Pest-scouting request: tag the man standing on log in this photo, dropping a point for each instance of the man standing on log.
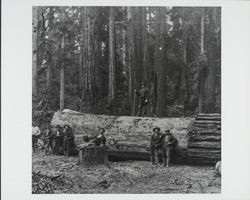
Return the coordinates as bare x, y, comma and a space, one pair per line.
155, 145
68, 140
143, 100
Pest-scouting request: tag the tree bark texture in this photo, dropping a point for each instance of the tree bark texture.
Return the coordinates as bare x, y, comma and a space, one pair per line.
112, 81
50, 39
210, 81
62, 79
183, 74
137, 51
91, 56
35, 48
131, 59
201, 81
160, 62
91, 155
127, 137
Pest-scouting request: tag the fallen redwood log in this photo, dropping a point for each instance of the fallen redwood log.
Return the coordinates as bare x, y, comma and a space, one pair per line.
127, 137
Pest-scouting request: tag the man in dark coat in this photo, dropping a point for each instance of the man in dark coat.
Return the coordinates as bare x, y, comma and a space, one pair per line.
100, 140
156, 145
143, 100
68, 139
48, 140
56, 139
173, 142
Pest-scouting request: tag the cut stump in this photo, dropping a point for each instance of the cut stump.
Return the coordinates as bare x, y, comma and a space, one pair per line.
93, 155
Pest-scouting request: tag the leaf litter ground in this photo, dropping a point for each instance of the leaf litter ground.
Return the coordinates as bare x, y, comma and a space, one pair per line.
122, 177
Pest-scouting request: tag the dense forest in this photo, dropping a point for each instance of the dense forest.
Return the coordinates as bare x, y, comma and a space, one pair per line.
91, 59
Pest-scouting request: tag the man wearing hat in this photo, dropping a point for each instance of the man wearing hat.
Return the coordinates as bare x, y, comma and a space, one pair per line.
35, 136
143, 100
68, 140
48, 139
56, 138
172, 141
155, 145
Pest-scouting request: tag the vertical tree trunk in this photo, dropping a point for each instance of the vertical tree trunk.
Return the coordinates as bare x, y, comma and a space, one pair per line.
80, 78
124, 40
111, 55
50, 38
210, 81
82, 56
138, 40
136, 18
131, 55
91, 57
34, 47
144, 44
183, 74
160, 61
62, 81
201, 82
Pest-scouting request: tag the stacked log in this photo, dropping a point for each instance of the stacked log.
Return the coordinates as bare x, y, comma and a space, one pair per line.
204, 139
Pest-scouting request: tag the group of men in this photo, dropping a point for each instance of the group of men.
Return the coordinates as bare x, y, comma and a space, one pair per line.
57, 138
159, 145
54, 139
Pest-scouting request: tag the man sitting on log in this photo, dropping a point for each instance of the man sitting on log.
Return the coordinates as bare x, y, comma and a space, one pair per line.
155, 145
68, 140
98, 140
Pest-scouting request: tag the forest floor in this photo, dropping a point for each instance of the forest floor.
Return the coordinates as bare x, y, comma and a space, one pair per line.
126, 177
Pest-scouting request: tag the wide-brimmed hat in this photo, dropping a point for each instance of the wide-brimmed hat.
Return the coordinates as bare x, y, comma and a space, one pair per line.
156, 128
168, 131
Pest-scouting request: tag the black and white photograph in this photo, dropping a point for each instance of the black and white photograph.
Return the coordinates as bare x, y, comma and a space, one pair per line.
126, 99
